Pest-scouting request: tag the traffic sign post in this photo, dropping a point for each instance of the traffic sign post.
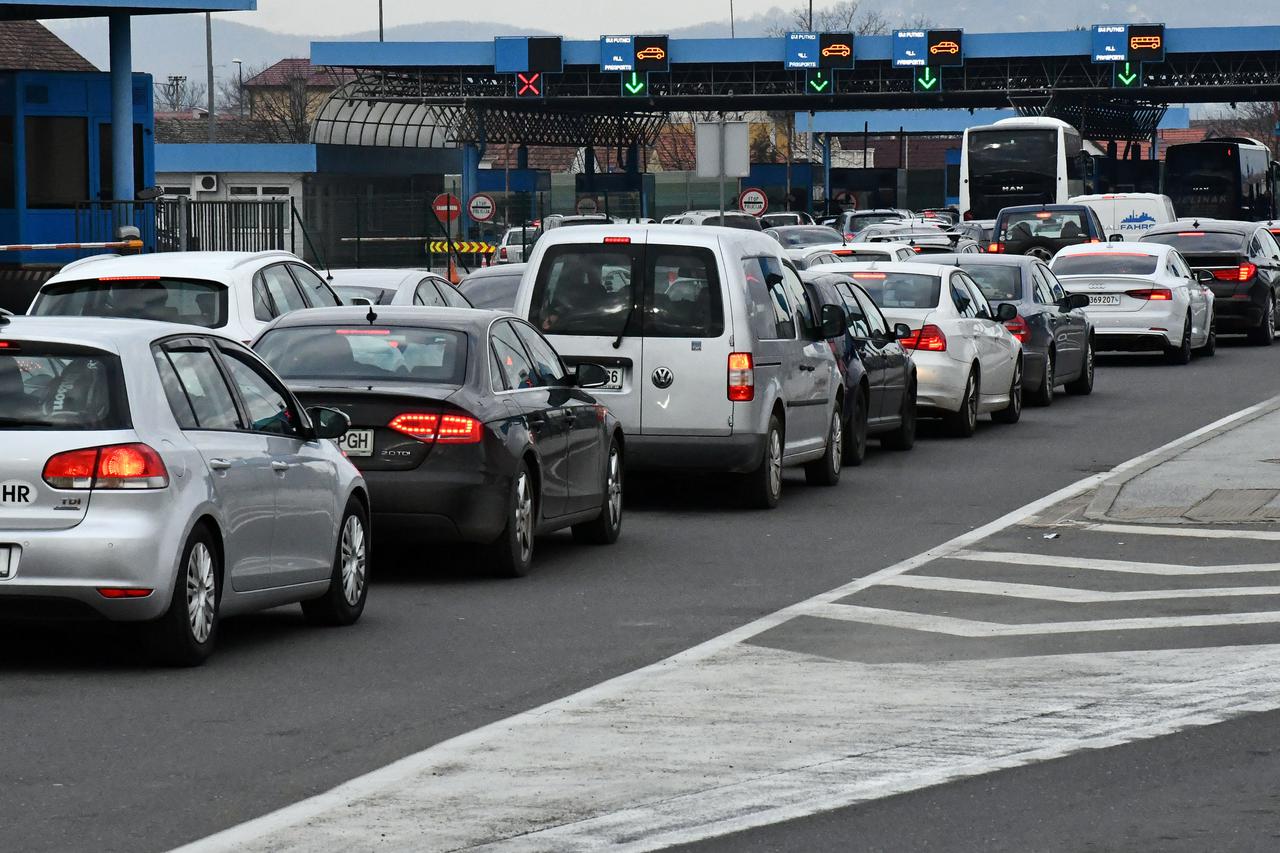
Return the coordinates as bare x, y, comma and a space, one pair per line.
481, 207
753, 201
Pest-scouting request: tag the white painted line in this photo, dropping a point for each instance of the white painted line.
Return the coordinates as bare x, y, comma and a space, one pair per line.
1065, 594
1096, 565
1190, 532
973, 628
251, 834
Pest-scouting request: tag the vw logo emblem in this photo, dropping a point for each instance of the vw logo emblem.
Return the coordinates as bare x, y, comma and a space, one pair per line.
663, 377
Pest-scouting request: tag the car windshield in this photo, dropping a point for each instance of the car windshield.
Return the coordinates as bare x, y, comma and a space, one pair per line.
865, 255
900, 289
811, 236
1199, 242
730, 220
1105, 263
171, 300
366, 354
495, 292
1003, 283
54, 387
1049, 224
520, 236
375, 295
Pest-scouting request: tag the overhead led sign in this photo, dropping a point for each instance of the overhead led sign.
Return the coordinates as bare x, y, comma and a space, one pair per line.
835, 50
802, 50
910, 48
514, 54
652, 53
617, 53
1110, 43
1146, 42
946, 47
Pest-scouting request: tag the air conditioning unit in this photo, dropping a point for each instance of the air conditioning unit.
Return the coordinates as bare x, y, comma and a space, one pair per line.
204, 184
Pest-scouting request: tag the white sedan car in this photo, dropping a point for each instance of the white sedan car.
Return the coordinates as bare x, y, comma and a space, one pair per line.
1142, 296
967, 362
396, 287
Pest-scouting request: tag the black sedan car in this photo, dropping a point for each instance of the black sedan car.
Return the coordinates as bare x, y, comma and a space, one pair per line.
1041, 230
1056, 334
879, 376
1244, 259
465, 424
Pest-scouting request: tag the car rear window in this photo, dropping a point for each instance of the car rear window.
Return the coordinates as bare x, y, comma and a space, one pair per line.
997, 282
1199, 242
1046, 224
366, 354
596, 290
815, 236
862, 255
376, 295
731, 220
1105, 263
493, 292
172, 300
55, 387
901, 289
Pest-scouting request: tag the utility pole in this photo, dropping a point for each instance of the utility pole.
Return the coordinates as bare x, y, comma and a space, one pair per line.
239, 64
208, 49
381, 34
810, 15
732, 34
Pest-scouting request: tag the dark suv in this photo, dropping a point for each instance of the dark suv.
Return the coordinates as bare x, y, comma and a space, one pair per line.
1040, 230
1244, 258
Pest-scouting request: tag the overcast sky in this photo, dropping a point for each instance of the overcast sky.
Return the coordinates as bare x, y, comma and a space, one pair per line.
583, 18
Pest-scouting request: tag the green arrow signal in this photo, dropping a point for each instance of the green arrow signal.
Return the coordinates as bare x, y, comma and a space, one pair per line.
635, 86
818, 82
927, 80
1127, 78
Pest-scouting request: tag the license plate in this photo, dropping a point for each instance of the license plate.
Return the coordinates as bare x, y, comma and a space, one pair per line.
1104, 299
614, 382
357, 442
6, 561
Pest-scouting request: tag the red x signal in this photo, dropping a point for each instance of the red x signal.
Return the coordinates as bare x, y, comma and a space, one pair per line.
529, 85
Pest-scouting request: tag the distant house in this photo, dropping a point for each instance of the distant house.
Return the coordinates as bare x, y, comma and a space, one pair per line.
286, 97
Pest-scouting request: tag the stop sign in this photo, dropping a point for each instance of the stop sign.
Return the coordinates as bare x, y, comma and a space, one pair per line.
753, 201
447, 207
481, 207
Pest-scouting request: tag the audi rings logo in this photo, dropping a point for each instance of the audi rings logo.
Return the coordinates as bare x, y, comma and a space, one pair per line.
663, 377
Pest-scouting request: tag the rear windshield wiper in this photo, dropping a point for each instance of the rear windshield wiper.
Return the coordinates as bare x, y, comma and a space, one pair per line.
617, 342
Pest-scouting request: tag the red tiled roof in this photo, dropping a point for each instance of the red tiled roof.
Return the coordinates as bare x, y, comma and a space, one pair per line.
29, 46
287, 70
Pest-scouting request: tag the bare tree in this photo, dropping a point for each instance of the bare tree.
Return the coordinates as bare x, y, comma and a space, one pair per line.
845, 16
287, 105
178, 95
229, 94
1256, 119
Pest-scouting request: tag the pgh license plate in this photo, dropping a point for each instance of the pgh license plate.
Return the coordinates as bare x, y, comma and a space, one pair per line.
357, 442
1104, 299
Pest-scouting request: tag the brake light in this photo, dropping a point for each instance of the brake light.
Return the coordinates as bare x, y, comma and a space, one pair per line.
502, 253
1156, 294
1044, 215
116, 466
9, 345
995, 249
929, 339
1244, 272
129, 278
918, 249
442, 429
618, 240
848, 236
1018, 328
362, 331
870, 275
742, 377
1190, 233
118, 592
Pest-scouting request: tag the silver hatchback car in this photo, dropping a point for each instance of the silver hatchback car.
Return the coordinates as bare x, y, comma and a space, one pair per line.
161, 474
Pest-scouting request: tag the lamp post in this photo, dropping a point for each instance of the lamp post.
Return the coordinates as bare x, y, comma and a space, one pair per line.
239, 64
731, 28
380, 32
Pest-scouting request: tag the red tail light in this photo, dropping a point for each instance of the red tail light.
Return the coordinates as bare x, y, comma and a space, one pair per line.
848, 236
502, 253
116, 466
122, 592
929, 339
1018, 328
621, 241
442, 429
1156, 294
1244, 272
742, 377
995, 249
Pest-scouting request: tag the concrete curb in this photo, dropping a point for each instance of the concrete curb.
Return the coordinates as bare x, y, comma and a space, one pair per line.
1107, 493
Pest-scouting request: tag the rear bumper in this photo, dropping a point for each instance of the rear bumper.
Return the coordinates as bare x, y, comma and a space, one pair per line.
1238, 314
733, 453
940, 381
457, 506
1033, 368
1138, 330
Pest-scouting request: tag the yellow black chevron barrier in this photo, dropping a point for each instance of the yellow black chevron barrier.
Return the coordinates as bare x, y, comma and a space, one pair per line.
462, 247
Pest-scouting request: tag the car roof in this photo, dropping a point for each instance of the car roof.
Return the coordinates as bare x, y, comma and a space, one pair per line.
891, 266
461, 319
1232, 226
984, 260
1123, 248
663, 234
1052, 208
495, 270
374, 277
110, 333
215, 266
804, 226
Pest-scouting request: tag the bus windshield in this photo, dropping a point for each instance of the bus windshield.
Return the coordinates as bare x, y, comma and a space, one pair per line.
1011, 167
1203, 180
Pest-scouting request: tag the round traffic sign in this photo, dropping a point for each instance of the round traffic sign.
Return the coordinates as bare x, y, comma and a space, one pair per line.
753, 201
587, 204
481, 207
447, 207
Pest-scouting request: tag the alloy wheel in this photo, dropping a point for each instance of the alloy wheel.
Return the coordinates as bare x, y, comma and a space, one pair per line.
524, 517
775, 462
1015, 390
201, 592
613, 486
837, 441
971, 402
354, 560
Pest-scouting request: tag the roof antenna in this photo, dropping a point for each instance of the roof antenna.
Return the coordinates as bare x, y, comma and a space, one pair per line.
1195, 223
371, 316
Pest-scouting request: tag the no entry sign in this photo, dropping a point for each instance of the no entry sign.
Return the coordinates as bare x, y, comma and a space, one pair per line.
447, 207
753, 201
481, 207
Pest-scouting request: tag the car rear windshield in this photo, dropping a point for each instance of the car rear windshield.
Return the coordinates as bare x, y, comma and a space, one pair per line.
495, 292
366, 354
1047, 224
862, 220
863, 255
1105, 263
1199, 242
376, 295
997, 282
55, 387
172, 300
596, 290
731, 220
901, 289
814, 236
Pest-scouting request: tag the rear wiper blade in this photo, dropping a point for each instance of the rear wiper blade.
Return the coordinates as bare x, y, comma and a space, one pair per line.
617, 342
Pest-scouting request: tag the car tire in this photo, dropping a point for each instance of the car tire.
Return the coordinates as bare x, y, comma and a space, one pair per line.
511, 554
1012, 413
1210, 348
855, 432
1264, 333
964, 422
188, 631
764, 484
1043, 396
1082, 385
344, 601
605, 528
826, 471
1040, 251
904, 437
1180, 354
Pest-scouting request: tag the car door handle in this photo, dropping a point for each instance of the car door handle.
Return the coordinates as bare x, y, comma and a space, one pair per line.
808, 367
219, 464
280, 466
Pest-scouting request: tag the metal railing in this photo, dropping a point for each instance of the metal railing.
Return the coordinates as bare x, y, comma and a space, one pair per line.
175, 225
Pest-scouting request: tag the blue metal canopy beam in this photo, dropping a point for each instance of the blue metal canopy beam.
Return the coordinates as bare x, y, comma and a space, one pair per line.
29, 10
931, 121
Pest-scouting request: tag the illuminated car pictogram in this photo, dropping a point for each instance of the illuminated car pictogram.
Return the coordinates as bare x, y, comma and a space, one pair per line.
945, 47
654, 52
1145, 43
837, 50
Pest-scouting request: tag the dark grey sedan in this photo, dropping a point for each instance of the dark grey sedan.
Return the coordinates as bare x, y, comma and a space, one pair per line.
1056, 334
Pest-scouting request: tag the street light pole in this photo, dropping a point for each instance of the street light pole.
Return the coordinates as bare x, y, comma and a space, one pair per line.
208, 47
380, 32
731, 31
239, 64
810, 15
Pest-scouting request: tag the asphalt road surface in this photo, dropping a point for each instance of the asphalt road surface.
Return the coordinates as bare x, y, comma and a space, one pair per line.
100, 752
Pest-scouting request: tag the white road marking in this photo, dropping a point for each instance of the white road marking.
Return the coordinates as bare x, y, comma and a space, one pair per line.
1066, 594
956, 627
1191, 532
552, 778
1092, 564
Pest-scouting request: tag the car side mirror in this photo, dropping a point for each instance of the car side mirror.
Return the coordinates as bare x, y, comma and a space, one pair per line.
1116, 238
1204, 276
901, 331
591, 376
772, 278
834, 322
1006, 311
329, 423
1072, 301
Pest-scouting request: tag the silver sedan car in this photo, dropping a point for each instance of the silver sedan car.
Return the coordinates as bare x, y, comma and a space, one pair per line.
164, 475
396, 287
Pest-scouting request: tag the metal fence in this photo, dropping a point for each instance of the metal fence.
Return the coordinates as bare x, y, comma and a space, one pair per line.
175, 225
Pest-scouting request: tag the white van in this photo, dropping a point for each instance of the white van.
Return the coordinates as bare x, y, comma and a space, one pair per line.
1128, 215
717, 360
